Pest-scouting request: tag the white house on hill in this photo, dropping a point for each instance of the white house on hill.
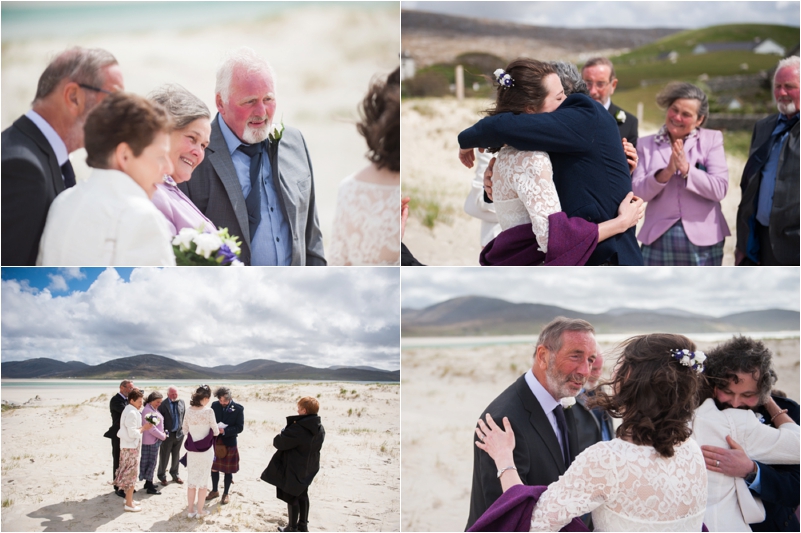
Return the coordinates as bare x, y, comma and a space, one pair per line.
768, 46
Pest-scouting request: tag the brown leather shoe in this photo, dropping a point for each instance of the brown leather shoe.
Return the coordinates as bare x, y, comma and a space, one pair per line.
213, 494
178, 480
163, 481
225, 499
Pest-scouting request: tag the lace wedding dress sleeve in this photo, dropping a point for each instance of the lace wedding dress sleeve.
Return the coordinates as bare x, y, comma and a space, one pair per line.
528, 178
366, 225
628, 488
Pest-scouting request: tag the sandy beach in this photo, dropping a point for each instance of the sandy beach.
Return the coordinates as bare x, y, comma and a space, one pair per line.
324, 57
444, 392
56, 465
432, 173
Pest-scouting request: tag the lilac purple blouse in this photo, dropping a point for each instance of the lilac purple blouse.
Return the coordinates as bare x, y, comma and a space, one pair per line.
694, 200
156, 433
178, 209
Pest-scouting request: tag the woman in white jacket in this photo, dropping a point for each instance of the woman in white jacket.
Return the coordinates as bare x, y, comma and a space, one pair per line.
130, 434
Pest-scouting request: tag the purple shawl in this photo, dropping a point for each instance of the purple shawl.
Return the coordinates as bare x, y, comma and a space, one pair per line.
571, 242
513, 510
199, 446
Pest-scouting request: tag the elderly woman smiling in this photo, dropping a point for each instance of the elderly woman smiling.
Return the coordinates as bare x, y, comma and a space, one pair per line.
683, 176
187, 149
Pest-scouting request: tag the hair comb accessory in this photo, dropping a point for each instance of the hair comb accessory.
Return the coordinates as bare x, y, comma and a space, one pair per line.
694, 360
503, 78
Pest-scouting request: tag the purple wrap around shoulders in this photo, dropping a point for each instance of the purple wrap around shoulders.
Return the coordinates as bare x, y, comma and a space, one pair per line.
571, 242
199, 446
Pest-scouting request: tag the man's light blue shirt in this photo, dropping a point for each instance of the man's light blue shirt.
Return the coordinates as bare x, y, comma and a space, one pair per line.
547, 403
272, 243
56, 142
768, 183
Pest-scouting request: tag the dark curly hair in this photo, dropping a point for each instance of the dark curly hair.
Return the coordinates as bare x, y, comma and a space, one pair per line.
655, 395
740, 354
380, 121
204, 391
529, 90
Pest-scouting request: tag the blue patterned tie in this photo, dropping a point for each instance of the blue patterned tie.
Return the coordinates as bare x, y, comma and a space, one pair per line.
253, 201
562, 423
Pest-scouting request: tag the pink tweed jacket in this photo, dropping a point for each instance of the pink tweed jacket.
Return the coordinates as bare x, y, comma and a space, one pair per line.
696, 200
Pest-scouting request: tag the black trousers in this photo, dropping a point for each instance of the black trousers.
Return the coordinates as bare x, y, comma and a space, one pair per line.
115, 454
170, 450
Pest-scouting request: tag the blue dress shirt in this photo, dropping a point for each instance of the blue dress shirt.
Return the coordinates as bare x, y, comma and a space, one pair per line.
768, 183
272, 243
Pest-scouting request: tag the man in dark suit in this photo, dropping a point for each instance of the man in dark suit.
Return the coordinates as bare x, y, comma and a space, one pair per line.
117, 405
257, 181
767, 218
742, 375
592, 425
545, 433
36, 147
173, 411
590, 170
599, 75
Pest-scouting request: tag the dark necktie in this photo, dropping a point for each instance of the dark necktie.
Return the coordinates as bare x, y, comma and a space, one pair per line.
253, 201
562, 423
68, 173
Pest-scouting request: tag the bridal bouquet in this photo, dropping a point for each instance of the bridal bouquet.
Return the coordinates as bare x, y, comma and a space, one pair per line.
193, 247
152, 418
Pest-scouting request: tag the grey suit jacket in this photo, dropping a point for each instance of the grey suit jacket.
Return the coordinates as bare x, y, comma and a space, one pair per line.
215, 190
31, 180
165, 411
537, 454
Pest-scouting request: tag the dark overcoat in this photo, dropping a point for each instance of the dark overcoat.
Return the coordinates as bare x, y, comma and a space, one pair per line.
297, 460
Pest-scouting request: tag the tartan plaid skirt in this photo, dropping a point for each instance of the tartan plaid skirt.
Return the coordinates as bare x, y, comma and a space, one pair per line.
150, 456
673, 248
129, 466
228, 464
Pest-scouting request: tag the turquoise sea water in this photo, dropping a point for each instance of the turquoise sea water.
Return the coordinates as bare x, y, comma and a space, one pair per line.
37, 20
152, 384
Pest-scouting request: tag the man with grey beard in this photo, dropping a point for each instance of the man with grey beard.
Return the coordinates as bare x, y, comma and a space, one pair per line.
256, 179
767, 219
545, 432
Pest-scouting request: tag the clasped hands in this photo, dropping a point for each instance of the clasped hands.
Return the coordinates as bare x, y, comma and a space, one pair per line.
678, 163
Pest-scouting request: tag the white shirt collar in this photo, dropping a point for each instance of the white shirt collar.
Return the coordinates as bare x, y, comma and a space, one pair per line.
543, 396
50, 134
608, 103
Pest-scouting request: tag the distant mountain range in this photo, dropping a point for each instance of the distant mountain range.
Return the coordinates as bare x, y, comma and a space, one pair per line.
150, 366
477, 315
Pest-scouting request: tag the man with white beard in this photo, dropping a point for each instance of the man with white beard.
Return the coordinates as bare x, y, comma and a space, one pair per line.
767, 219
257, 179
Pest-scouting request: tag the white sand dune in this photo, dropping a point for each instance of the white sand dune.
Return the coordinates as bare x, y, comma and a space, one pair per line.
56, 464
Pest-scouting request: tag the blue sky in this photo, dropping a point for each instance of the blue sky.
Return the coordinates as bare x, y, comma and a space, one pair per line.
207, 316
673, 14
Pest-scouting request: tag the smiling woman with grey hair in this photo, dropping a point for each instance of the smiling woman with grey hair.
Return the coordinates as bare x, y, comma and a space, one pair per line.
188, 142
683, 176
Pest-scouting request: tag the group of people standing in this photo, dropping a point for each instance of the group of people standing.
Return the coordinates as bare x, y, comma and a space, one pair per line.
702, 440
559, 192
150, 432
162, 164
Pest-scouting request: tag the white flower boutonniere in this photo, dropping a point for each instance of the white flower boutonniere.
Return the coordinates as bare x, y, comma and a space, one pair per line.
621, 116
276, 131
568, 402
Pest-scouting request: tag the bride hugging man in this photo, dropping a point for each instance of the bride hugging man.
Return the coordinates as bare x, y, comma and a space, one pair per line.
652, 475
562, 185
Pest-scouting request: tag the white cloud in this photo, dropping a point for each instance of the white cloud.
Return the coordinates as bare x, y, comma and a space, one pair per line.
219, 316
57, 283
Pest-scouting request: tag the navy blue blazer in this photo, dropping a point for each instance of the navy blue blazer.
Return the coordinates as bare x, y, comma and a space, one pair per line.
779, 485
233, 415
590, 169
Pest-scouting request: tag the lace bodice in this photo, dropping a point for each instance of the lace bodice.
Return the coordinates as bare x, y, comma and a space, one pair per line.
523, 191
366, 224
199, 422
628, 488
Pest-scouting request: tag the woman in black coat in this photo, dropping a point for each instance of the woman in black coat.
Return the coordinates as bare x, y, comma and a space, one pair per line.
296, 462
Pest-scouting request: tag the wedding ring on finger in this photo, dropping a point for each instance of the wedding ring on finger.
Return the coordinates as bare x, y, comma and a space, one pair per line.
717, 463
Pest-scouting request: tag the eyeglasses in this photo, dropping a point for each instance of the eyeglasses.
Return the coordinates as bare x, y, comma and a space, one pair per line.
96, 89
599, 84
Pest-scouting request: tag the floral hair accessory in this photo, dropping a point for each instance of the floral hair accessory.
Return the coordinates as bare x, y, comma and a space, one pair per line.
694, 360
503, 78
